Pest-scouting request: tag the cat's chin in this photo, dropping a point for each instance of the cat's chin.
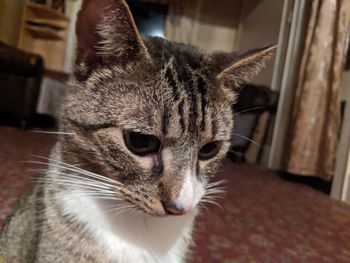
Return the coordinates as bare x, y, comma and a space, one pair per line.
129, 224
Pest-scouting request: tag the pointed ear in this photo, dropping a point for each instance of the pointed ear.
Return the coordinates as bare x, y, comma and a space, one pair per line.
243, 67
106, 31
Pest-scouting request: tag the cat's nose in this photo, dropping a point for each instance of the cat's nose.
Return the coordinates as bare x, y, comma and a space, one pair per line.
174, 208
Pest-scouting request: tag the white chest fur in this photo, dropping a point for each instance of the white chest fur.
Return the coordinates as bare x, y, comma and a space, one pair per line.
132, 237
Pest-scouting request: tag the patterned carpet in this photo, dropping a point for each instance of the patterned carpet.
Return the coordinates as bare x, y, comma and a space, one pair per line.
16, 147
263, 219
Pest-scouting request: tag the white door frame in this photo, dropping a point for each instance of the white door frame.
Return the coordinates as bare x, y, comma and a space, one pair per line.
285, 76
341, 181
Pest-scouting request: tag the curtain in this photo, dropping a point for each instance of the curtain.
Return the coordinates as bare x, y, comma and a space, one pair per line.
316, 112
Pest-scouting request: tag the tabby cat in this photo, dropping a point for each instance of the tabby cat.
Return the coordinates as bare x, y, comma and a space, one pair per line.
143, 128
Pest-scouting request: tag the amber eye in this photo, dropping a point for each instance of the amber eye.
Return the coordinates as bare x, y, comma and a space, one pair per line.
141, 144
209, 150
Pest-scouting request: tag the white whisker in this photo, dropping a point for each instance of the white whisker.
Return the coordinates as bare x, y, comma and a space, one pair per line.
76, 181
86, 172
216, 183
212, 202
52, 132
247, 110
119, 209
79, 185
239, 135
77, 170
80, 177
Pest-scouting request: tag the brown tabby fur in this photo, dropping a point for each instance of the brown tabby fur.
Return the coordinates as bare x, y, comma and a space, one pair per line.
176, 92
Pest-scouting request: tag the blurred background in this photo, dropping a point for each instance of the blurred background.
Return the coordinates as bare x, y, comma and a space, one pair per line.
292, 120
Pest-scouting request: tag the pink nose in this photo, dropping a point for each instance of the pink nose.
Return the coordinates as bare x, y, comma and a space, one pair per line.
174, 209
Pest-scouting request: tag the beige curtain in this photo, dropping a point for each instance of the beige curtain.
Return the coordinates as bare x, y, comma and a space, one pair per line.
316, 112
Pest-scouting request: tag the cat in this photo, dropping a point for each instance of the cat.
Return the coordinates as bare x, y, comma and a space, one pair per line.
143, 128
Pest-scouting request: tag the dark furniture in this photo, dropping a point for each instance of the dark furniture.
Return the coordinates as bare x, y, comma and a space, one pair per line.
253, 101
20, 78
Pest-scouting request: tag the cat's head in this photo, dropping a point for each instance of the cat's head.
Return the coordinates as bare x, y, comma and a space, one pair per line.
154, 115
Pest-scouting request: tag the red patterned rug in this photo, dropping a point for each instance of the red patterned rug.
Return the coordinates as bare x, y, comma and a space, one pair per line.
263, 218
16, 147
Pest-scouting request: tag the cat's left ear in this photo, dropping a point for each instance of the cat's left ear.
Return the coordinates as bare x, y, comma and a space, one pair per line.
237, 69
106, 31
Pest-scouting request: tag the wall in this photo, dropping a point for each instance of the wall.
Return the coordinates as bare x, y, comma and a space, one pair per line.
204, 23
72, 9
217, 25
259, 26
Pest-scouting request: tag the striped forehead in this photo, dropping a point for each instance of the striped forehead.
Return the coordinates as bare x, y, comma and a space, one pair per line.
188, 100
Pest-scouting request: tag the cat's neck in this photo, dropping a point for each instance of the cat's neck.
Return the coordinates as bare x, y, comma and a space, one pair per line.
130, 234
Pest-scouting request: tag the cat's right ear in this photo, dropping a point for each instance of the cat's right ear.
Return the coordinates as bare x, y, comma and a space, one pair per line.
235, 69
106, 32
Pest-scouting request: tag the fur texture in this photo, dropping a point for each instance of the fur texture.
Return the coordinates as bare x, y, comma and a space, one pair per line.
99, 201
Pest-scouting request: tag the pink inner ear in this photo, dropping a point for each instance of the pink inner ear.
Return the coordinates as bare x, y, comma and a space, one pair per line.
90, 16
106, 31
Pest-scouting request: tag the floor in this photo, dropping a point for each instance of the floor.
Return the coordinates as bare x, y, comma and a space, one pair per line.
263, 218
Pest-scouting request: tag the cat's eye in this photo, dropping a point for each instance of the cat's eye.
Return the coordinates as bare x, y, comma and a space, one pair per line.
209, 150
141, 144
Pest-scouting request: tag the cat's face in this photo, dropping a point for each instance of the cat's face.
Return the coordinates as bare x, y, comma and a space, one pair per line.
153, 115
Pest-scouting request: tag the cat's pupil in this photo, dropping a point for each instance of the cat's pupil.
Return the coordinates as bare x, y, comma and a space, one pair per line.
141, 144
209, 150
